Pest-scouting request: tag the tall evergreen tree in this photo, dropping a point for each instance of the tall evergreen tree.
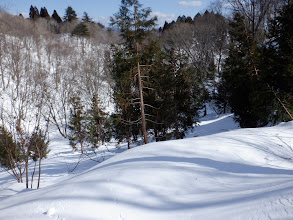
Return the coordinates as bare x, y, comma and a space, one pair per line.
135, 25
277, 68
34, 12
98, 124
44, 13
70, 14
86, 18
81, 30
126, 119
56, 17
77, 124
11, 157
246, 92
176, 95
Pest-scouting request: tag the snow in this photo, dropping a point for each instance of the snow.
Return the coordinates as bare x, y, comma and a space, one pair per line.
219, 172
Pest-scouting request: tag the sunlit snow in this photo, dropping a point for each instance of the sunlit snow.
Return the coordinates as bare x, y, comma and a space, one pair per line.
219, 172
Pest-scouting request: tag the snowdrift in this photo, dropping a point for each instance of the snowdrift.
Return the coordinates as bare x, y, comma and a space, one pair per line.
240, 174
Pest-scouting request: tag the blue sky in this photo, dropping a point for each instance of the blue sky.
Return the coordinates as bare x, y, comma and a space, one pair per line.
101, 10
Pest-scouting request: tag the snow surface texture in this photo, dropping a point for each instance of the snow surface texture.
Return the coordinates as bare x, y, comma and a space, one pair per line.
238, 174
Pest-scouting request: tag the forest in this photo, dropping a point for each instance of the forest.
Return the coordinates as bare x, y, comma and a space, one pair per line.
135, 82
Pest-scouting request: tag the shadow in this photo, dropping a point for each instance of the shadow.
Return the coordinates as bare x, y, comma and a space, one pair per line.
229, 167
2, 197
163, 202
214, 125
261, 145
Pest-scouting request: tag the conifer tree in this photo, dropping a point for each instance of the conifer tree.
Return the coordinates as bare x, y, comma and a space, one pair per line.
44, 13
56, 17
11, 157
86, 18
277, 64
189, 20
135, 25
77, 124
34, 12
176, 95
126, 119
70, 14
257, 78
98, 124
240, 77
81, 30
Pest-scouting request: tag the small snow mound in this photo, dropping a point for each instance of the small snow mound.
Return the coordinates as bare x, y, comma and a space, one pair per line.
50, 212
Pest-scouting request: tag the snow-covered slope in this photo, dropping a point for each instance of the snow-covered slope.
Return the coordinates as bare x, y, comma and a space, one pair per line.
239, 174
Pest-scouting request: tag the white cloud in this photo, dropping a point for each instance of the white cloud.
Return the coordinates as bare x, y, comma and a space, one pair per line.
162, 17
104, 20
191, 3
226, 5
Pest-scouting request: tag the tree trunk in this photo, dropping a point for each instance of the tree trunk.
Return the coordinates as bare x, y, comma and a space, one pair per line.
140, 87
128, 140
81, 146
176, 127
26, 172
143, 121
205, 110
39, 180
33, 174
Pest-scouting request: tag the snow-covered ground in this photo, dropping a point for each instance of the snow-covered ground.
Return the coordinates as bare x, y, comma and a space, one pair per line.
218, 172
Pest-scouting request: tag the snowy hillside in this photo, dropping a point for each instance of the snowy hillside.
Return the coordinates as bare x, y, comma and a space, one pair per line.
237, 174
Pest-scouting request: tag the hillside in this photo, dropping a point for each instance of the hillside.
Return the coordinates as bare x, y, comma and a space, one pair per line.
100, 123
236, 174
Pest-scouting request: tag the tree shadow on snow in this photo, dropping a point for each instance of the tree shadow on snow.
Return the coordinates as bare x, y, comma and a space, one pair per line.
230, 167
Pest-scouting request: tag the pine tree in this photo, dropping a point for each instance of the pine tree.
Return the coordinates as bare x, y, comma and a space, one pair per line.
11, 157
189, 20
166, 26
126, 119
176, 95
77, 124
98, 124
34, 12
277, 68
44, 13
241, 78
86, 18
70, 14
8, 150
135, 25
81, 30
56, 17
